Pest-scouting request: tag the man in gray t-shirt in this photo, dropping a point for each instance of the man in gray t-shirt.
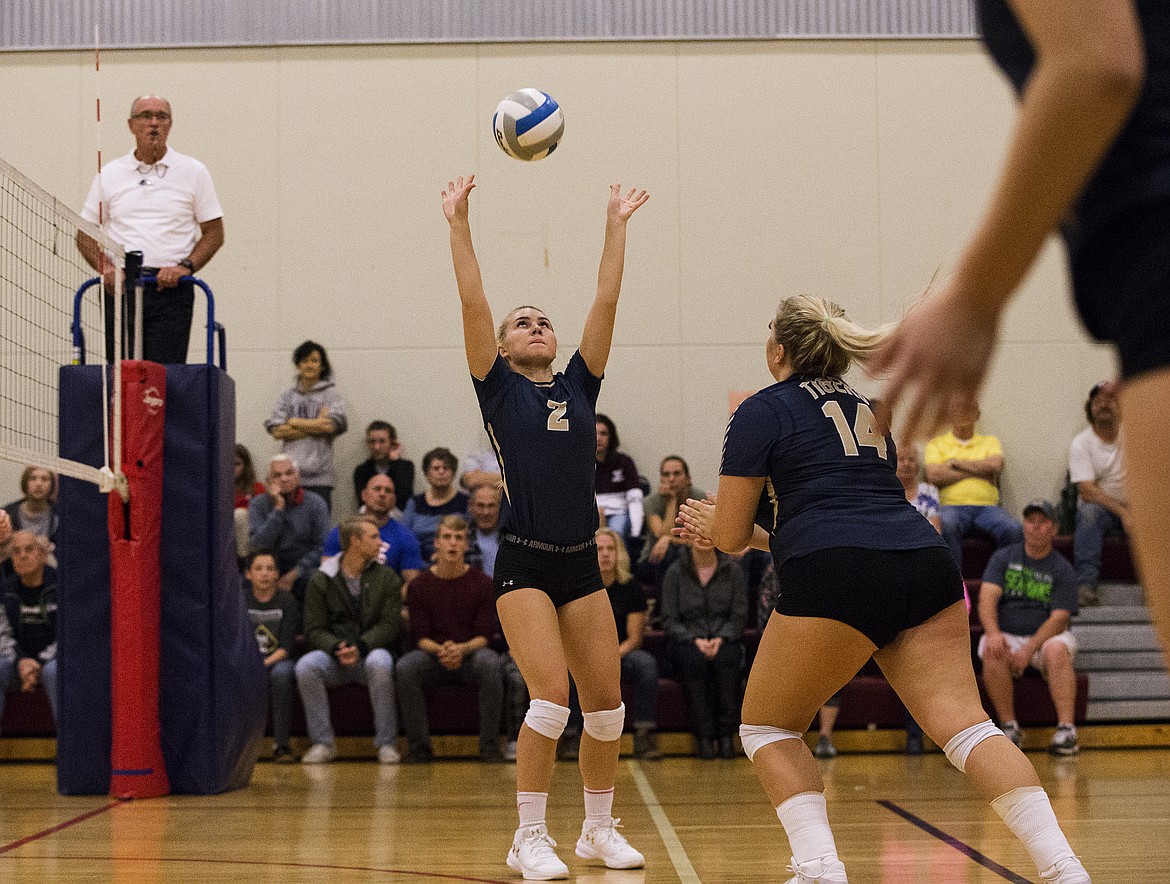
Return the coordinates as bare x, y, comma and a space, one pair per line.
1028, 596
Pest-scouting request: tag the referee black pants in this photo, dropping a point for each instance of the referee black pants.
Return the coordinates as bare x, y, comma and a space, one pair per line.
166, 323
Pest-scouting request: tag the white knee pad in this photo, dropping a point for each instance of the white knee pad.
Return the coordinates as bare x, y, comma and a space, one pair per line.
547, 719
960, 745
756, 736
605, 726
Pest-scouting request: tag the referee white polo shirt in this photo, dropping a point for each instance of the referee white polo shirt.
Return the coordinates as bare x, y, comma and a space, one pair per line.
155, 209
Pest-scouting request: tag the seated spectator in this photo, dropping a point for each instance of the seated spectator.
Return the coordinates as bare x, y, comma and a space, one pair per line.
9, 675
452, 617
308, 416
276, 618
661, 547
966, 467
36, 511
385, 459
1096, 466
638, 666
827, 717
485, 532
30, 603
352, 619
400, 548
619, 491
480, 467
704, 609
290, 521
442, 498
1026, 601
246, 487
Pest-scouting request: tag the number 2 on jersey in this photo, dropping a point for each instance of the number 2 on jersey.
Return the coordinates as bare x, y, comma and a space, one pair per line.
866, 429
557, 419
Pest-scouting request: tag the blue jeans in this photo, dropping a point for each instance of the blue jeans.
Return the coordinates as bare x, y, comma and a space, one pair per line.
281, 678
641, 668
1093, 523
994, 520
318, 671
418, 670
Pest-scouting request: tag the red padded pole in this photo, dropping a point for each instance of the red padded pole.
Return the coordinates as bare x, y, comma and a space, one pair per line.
138, 769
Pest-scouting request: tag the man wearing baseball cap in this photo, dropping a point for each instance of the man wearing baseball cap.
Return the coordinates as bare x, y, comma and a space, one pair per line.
1097, 468
1028, 596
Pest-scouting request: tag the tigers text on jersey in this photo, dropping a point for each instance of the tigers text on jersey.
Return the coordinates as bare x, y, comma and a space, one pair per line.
545, 438
829, 467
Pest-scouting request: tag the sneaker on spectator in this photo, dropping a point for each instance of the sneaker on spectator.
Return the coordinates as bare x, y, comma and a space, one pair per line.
282, 755
491, 754
913, 744
1088, 596
319, 753
818, 871
646, 745
1064, 741
510, 750
1067, 871
419, 755
388, 755
532, 855
1012, 731
825, 748
606, 844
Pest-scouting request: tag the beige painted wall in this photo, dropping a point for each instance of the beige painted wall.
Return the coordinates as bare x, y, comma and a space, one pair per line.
850, 169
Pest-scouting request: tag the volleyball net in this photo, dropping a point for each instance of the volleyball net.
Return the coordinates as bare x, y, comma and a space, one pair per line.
41, 269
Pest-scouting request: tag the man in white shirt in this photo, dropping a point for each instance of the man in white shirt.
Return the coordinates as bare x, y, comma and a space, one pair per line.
163, 204
1096, 466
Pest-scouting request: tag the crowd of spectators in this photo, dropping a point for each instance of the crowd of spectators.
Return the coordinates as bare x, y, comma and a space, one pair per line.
399, 597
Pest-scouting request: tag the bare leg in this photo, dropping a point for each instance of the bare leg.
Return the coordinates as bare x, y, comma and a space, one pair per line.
530, 625
1062, 680
997, 678
1147, 457
826, 718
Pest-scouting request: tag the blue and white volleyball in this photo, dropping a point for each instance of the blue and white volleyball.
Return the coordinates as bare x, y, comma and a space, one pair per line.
528, 124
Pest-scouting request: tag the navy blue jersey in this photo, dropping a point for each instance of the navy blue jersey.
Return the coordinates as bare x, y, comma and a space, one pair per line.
545, 438
829, 469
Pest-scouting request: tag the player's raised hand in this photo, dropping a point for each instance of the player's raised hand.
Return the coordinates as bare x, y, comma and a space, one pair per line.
455, 198
622, 207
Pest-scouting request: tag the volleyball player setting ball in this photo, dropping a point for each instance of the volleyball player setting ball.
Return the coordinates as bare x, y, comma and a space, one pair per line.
860, 573
549, 593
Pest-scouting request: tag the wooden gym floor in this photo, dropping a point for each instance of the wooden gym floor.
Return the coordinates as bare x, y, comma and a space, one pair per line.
896, 819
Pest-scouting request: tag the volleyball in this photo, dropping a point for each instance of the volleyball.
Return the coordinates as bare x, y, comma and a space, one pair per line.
528, 124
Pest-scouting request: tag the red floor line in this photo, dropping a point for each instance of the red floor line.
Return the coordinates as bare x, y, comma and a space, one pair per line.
249, 862
60, 826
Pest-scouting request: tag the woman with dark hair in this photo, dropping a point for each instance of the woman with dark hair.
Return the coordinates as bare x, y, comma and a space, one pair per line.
861, 574
619, 494
308, 416
246, 487
442, 497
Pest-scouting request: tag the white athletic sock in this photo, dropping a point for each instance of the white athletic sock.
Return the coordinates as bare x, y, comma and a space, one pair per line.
531, 807
598, 807
806, 822
1028, 813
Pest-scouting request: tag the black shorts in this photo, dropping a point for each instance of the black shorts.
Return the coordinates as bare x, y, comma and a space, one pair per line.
878, 592
563, 577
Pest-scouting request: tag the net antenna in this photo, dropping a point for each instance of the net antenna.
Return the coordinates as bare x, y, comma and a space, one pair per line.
41, 269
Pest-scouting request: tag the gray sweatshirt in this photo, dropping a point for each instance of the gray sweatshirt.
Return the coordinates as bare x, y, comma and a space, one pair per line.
313, 454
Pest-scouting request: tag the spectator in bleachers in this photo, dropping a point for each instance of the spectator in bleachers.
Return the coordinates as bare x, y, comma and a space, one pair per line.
1097, 467
9, 679
452, 618
1025, 603
400, 549
291, 521
352, 619
660, 508
308, 416
276, 619
966, 466
618, 487
480, 467
485, 531
441, 498
30, 603
827, 716
704, 611
246, 487
36, 511
638, 665
386, 459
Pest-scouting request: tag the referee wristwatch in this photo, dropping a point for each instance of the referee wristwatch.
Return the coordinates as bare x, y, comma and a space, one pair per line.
189, 264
